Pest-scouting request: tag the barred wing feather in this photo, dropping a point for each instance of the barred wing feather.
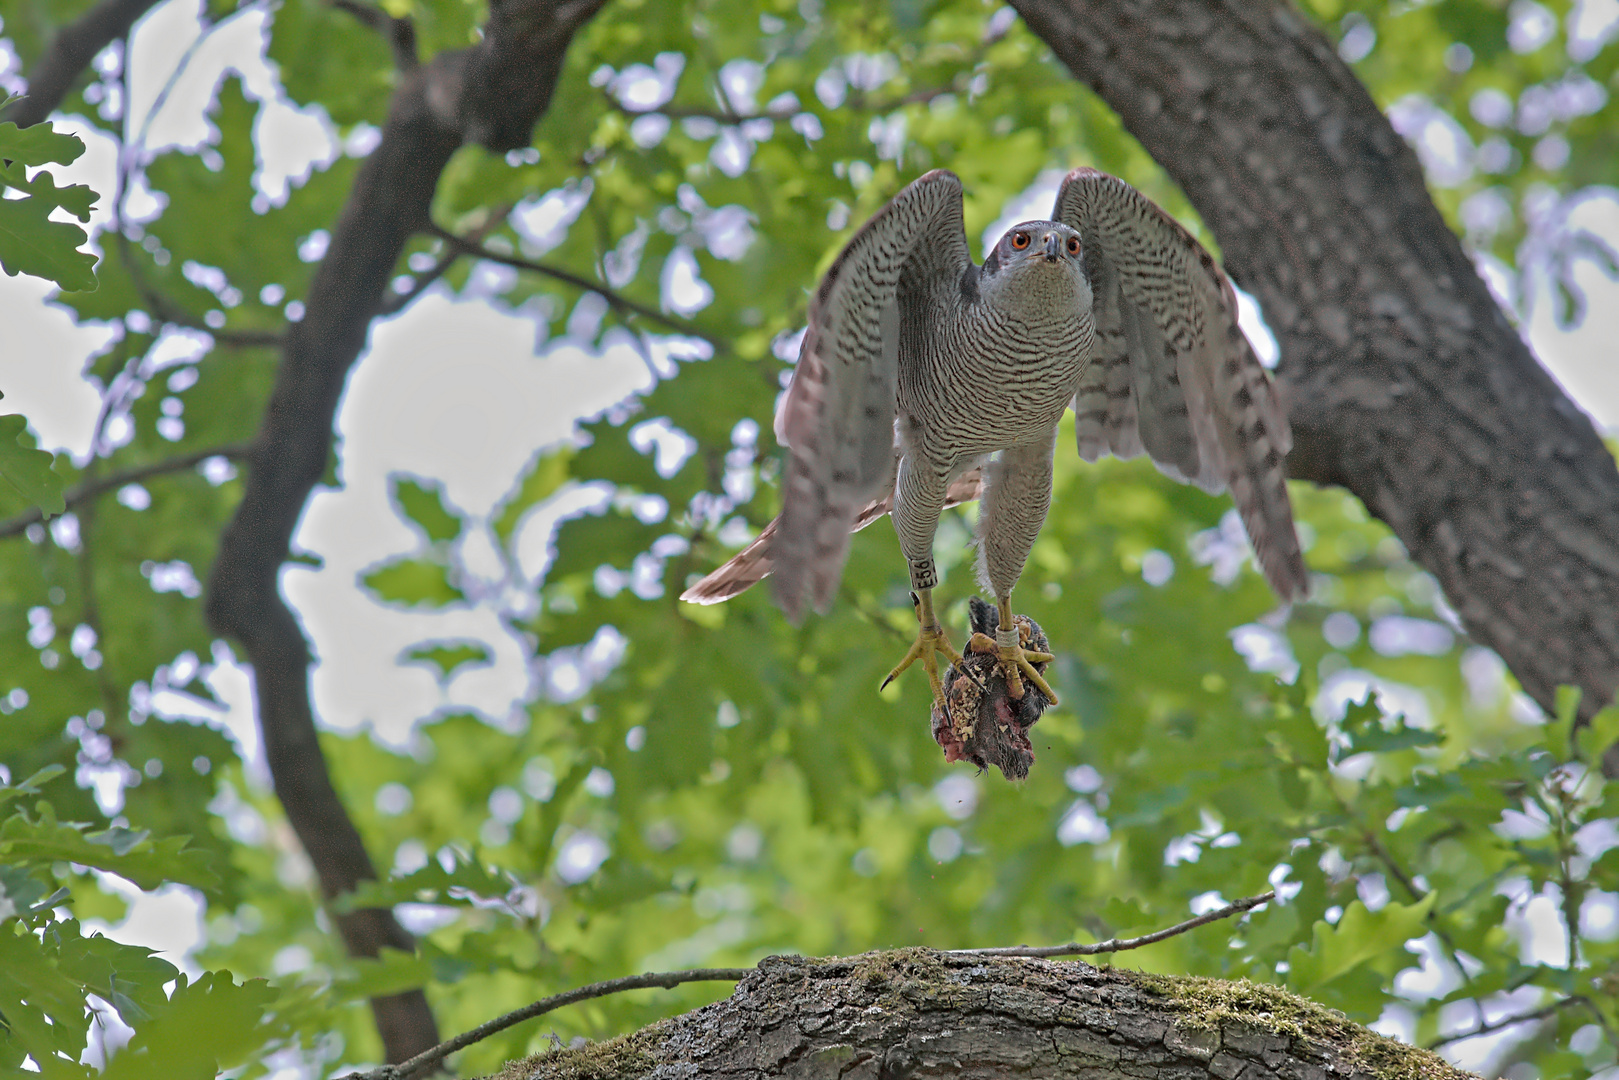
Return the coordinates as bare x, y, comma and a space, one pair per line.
837, 417
1172, 374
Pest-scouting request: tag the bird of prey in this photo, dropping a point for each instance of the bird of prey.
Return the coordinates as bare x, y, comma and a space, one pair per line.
925, 380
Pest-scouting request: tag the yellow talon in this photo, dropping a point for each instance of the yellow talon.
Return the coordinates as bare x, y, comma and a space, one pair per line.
1018, 663
930, 640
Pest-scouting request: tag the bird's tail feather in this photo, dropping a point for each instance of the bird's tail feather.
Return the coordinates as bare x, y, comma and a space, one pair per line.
753, 563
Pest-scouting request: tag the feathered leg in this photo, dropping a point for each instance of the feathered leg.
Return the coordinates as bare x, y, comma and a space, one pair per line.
919, 496
1017, 494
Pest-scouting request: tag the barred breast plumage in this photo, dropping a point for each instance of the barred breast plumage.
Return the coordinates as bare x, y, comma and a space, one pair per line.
920, 369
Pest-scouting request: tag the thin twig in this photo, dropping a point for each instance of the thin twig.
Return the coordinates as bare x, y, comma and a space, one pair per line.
168, 311
427, 1059
130, 155
1123, 944
1409, 883
1537, 1014
129, 159
90, 607
91, 488
396, 301
856, 101
618, 303
692, 112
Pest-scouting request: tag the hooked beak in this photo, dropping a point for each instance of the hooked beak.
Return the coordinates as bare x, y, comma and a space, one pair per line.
1053, 249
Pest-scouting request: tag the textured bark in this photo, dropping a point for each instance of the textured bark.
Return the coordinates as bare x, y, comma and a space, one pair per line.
437, 108
1404, 381
916, 1013
74, 46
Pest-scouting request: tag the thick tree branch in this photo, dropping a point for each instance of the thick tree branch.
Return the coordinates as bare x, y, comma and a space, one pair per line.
915, 1013
76, 44
493, 92
1406, 384
421, 1062
89, 489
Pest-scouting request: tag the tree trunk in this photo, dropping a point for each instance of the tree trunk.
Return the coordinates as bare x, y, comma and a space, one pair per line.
492, 93
1404, 381
916, 1012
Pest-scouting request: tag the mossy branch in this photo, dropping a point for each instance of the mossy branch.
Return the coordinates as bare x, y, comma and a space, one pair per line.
429, 1059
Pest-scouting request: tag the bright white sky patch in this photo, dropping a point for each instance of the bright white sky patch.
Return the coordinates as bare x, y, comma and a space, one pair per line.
452, 391
59, 403
580, 856
1081, 824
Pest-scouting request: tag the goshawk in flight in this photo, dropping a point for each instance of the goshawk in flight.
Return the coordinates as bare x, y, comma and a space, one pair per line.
925, 380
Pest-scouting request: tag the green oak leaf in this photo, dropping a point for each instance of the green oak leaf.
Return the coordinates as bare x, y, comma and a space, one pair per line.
26, 469
30, 242
208, 1025
1360, 935
413, 582
423, 504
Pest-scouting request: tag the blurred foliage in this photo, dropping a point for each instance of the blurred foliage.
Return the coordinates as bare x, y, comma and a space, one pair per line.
709, 785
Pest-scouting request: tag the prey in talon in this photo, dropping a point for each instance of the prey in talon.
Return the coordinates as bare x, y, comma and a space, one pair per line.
981, 721
1008, 647
926, 379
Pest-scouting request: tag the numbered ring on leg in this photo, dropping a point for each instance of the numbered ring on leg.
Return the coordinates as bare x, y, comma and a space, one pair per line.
924, 575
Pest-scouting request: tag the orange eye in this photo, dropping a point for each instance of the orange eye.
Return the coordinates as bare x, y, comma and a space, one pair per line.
1020, 240
1073, 245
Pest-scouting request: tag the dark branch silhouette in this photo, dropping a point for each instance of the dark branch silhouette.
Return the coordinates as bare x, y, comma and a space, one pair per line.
1113, 945
619, 303
1405, 382
88, 490
169, 311
429, 1059
399, 32
1533, 1015
75, 45
491, 93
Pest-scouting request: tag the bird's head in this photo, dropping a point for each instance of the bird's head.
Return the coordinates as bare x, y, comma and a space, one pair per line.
1041, 257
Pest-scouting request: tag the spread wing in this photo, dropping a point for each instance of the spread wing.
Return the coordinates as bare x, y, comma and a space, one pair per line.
753, 563
837, 418
1172, 374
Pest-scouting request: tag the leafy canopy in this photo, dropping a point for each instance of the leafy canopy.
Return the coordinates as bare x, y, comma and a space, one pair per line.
691, 786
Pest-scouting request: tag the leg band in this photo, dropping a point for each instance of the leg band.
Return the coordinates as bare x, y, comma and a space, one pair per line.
923, 574
1006, 639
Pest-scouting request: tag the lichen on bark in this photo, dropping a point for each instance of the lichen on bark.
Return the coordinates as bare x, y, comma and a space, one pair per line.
920, 1012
